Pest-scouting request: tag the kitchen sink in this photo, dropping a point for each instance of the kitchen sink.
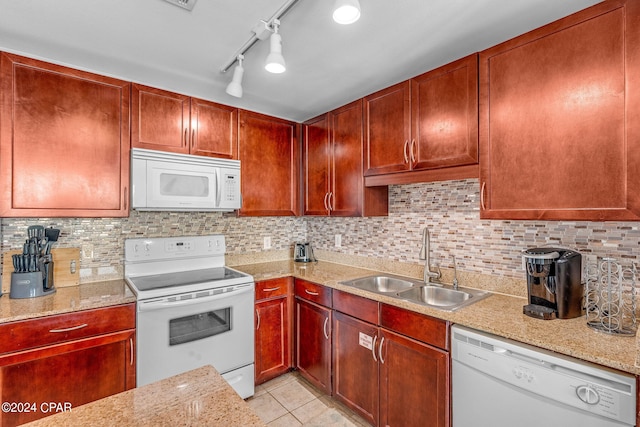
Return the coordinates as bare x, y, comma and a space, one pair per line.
443, 297
382, 284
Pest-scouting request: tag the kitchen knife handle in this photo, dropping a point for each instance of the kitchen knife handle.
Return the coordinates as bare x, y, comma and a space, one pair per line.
73, 328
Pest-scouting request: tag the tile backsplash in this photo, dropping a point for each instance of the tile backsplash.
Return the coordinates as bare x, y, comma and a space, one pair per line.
450, 209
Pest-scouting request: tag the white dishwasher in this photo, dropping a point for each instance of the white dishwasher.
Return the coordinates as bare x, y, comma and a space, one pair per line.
501, 383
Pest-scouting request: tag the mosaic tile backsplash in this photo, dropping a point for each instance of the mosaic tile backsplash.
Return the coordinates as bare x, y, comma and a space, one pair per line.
450, 209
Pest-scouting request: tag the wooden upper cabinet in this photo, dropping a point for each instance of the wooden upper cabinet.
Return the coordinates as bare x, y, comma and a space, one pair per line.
426, 127
333, 166
559, 114
270, 165
388, 129
444, 108
64, 141
168, 121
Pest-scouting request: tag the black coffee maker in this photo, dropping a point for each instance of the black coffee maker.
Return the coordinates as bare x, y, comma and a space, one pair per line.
554, 283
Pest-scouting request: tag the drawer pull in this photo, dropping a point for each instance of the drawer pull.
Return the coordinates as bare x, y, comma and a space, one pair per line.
271, 289
131, 351
373, 348
73, 328
315, 294
380, 351
257, 319
324, 328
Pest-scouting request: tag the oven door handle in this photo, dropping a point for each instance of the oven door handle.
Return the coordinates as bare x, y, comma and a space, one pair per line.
159, 305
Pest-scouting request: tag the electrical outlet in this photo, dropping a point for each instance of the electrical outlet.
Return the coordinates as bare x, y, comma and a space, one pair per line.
267, 243
338, 240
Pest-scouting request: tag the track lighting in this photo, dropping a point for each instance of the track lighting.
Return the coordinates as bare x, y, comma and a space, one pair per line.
346, 11
275, 60
235, 87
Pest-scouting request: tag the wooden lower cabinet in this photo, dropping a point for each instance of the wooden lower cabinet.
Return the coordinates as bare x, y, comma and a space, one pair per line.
39, 381
355, 365
414, 382
313, 343
273, 330
394, 372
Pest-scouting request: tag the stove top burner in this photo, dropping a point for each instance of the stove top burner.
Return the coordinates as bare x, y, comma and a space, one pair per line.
184, 278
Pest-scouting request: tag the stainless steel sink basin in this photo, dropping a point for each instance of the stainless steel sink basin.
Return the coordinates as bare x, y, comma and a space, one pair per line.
445, 298
382, 284
434, 295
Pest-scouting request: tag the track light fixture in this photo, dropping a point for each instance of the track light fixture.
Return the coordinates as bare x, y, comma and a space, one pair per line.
275, 60
235, 87
346, 11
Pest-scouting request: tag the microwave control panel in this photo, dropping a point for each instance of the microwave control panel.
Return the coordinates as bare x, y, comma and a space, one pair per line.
230, 197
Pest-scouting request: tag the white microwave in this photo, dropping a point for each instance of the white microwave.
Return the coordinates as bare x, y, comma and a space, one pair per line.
162, 181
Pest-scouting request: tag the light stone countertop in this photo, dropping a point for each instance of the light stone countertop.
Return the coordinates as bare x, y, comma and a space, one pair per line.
200, 397
499, 314
66, 300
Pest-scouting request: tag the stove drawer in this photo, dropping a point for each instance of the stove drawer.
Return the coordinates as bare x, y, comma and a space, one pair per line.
32, 333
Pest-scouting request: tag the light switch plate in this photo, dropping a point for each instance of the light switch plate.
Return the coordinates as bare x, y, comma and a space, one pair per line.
267, 242
338, 240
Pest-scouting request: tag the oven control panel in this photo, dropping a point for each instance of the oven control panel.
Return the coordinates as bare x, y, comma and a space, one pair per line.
161, 248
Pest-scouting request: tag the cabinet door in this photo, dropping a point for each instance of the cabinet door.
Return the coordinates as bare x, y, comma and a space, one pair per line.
76, 373
64, 141
414, 383
355, 365
559, 108
270, 164
313, 344
272, 351
388, 129
347, 182
444, 106
160, 120
214, 130
316, 160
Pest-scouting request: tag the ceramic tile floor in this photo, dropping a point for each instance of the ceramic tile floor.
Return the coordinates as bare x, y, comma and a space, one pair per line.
290, 401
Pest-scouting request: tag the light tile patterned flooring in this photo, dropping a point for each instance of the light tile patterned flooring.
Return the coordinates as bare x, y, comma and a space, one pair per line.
290, 401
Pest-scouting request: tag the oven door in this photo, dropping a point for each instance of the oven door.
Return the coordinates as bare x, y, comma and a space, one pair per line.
183, 332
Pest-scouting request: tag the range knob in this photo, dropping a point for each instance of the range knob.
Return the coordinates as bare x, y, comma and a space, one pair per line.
588, 395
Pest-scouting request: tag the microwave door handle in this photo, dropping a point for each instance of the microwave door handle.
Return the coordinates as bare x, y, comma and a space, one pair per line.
159, 305
218, 188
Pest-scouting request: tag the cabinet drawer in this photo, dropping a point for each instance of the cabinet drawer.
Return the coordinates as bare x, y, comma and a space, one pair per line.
271, 288
356, 306
414, 325
313, 292
25, 334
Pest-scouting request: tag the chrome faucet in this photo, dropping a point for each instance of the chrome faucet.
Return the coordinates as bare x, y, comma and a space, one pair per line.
425, 255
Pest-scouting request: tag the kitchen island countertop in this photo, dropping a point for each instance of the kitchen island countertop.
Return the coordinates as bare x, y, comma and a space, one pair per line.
499, 314
200, 397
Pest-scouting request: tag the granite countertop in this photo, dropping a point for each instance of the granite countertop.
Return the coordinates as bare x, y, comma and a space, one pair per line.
66, 300
200, 397
499, 314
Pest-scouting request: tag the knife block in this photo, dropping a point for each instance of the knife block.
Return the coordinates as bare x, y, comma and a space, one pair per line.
28, 285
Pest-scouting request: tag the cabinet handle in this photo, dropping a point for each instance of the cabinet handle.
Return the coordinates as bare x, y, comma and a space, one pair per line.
484, 184
413, 154
326, 196
373, 348
257, 317
405, 151
331, 202
73, 328
315, 294
131, 351
324, 328
126, 199
380, 351
186, 137
271, 289
193, 137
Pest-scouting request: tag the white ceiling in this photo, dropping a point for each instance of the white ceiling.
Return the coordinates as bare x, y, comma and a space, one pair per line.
328, 65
